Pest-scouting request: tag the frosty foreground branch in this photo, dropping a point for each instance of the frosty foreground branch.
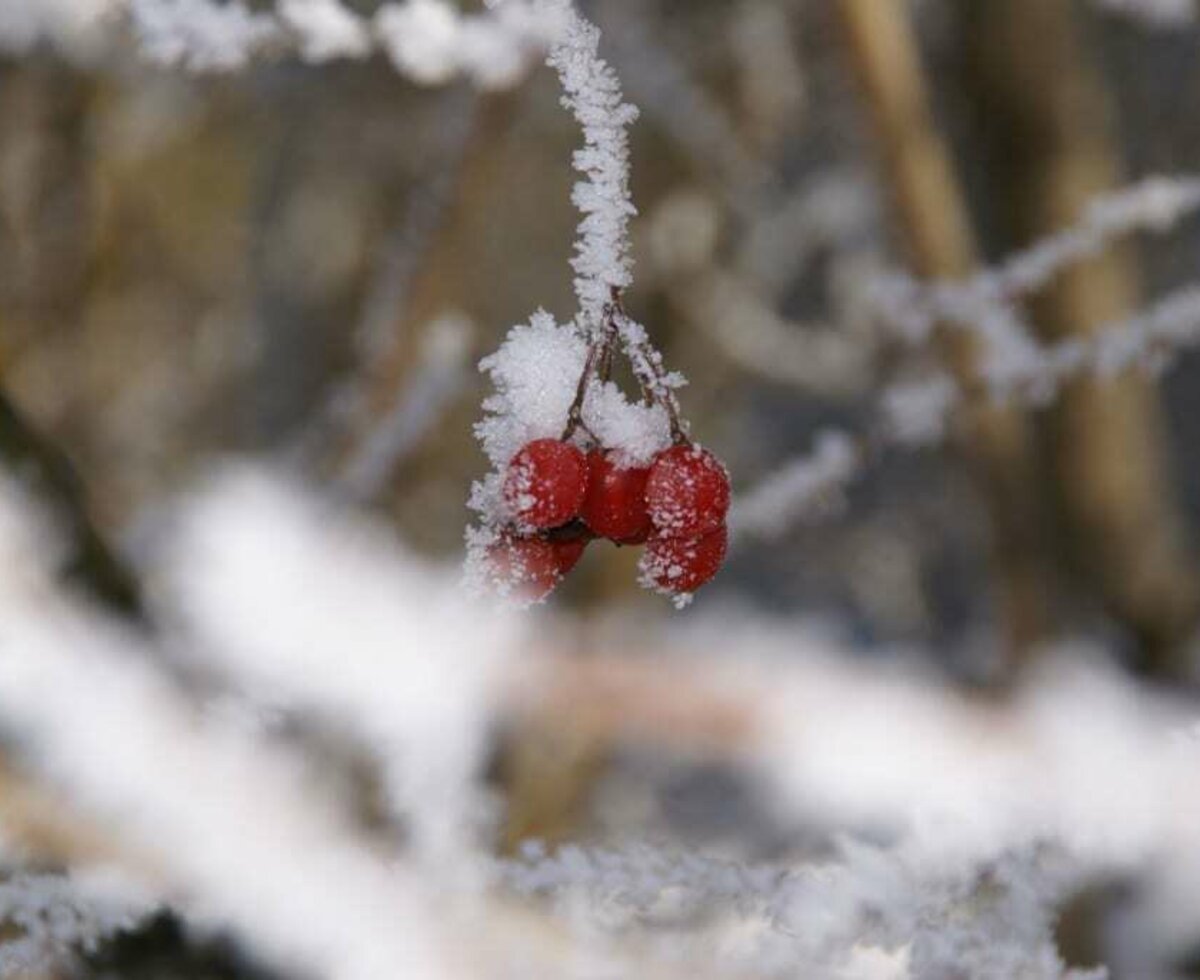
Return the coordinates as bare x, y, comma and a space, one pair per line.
295, 608
428, 41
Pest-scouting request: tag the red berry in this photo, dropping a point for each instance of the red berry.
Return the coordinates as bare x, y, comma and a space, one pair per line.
615, 504
524, 568
568, 551
640, 538
530, 568
687, 492
680, 565
545, 483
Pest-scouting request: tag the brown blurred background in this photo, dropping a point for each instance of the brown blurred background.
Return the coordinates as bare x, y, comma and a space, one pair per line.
271, 262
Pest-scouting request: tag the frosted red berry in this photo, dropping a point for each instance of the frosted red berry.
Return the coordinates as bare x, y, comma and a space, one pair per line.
524, 568
615, 504
687, 492
682, 565
545, 483
567, 552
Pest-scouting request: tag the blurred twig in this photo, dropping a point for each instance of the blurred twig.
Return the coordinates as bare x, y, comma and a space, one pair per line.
934, 221
1045, 104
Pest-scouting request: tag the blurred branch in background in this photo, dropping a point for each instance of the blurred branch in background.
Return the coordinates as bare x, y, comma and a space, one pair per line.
1041, 102
935, 225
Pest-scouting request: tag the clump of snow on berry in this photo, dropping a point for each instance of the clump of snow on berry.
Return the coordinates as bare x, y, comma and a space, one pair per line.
592, 91
633, 433
535, 374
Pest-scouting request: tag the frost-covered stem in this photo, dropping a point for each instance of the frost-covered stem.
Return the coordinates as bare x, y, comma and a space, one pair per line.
644, 360
596, 356
592, 91
647, 366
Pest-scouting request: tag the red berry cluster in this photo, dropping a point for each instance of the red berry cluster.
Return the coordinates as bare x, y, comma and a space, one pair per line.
559, 500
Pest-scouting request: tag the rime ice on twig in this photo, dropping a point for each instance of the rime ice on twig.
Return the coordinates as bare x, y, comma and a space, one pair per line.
917, 912
592, 92
983, 303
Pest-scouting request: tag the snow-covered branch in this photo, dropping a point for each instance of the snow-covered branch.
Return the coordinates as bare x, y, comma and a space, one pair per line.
1013, 366
428, 41
994, 814
985, 303
592, 91
1153, 13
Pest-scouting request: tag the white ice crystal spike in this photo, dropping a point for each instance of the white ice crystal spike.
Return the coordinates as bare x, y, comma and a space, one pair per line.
592, 91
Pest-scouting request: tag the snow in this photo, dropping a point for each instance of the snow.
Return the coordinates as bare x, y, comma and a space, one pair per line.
59, 915
200, 35
327, 30
430, 42
74, 26
983, 818
535, 373
633, 431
